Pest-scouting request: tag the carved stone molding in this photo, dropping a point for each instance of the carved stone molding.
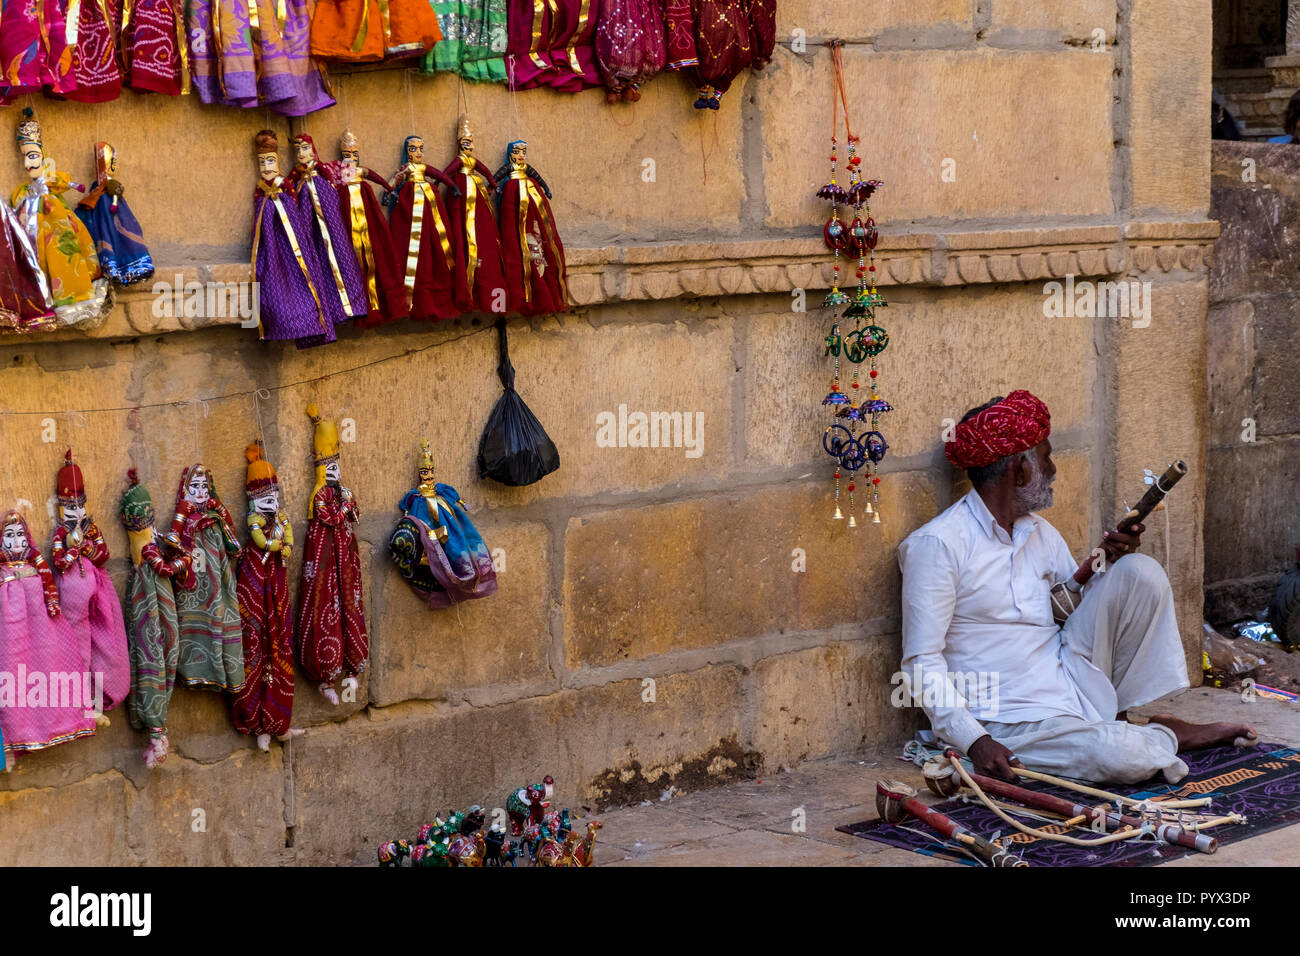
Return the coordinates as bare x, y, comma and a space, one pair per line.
659, 271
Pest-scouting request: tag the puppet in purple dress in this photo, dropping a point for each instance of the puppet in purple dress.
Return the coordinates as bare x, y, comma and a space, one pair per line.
343, 293
285, 265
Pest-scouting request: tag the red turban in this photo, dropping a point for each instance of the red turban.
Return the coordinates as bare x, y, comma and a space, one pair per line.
1017, 423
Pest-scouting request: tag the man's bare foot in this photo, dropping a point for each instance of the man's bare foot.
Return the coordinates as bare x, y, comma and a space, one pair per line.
1196, 736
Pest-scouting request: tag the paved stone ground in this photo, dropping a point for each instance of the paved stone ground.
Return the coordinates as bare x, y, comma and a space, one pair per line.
750, 823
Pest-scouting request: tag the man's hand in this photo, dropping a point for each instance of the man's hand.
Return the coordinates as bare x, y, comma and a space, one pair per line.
1116, 544
993, 760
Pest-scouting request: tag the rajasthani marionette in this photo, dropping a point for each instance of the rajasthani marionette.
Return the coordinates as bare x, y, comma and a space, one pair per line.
158, 571
679, 35
119, 240
332, 638
723, 45
94, 59
368, 230
530, 244
265, 705
86, 594
436, 546
35, 639
368, 30
212, 652
154, 47
419, 227
25, 302
480, 284
342, 294
474, 38
34, 51
63, 246
285, 265
631, 46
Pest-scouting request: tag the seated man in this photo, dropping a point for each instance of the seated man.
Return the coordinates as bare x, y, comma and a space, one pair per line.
976, 583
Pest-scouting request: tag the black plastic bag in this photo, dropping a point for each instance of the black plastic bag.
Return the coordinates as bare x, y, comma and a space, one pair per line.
515, 449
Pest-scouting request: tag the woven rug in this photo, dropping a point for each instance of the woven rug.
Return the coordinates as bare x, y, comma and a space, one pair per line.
1261, 782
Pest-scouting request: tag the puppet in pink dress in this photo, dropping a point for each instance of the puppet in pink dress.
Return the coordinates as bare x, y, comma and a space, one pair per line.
631, 46
47, 695
86, 595
34, 51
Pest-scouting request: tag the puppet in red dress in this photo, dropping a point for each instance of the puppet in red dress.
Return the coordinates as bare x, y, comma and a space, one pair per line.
480, 284
420, 233
332, 638
531, 249
381, 271
723, 45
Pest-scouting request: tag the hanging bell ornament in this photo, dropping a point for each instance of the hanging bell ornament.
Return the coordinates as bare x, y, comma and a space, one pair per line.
868, 511
837, 516
853, 522
876, 519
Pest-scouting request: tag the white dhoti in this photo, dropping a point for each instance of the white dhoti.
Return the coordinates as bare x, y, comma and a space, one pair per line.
1120, 649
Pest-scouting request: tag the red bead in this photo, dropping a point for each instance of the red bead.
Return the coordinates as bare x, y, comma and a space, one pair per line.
855, 384
875, 481
837, 474
851, 487
872, 268
874, 373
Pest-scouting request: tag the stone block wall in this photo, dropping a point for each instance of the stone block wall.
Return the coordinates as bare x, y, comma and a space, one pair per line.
632, 565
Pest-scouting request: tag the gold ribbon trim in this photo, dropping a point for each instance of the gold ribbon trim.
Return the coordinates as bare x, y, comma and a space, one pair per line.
360, 39
272, 195
471, 238
361, 243
329, 244
424, 192
253, 23
539, 7
525, 197
182, 45
583, 14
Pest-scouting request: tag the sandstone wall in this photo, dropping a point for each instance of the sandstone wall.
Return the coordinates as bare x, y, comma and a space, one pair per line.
635, 564
1254, 427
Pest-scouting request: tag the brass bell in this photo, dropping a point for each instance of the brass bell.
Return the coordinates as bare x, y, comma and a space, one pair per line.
868, 509
876, 519
853, 522
837, 516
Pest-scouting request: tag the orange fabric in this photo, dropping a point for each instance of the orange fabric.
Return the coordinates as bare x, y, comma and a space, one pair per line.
414, 25
335, 26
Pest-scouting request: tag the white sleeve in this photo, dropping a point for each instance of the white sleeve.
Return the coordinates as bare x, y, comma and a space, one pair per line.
929, 596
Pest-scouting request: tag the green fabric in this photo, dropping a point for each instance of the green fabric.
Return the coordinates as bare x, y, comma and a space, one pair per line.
151, 620
136, 509
474, 33
212, 638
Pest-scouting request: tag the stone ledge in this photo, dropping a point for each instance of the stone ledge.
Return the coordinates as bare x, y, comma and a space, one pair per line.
656, 271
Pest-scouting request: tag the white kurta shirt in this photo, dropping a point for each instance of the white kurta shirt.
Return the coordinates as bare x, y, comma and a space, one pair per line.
976, 603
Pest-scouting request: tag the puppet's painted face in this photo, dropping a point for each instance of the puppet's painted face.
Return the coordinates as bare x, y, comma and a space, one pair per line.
112, 164
306, 155
268, 167
198, 490
268, 503
33, 161
519, 155
15, 540
72, 515
466, 144
352, 155
415, 150
426, 476
332, 471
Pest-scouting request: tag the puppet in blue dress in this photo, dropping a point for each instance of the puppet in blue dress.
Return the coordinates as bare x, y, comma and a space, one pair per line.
119, 241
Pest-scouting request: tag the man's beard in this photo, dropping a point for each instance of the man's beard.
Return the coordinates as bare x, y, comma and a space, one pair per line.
1037, 494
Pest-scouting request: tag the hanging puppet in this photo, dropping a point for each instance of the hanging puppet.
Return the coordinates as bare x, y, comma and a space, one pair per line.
474, 37
63, 246
34, 50
341, 291
631, 46
86, 595
723, 45
370, 30
531, 250
95, 68
381, 272
118, 238
155, 47
158, 571
212, 653
679, 35
25, 302
36, 638
480, 285
552, 44
285, 264
264, 707
419, 226
436, 546
332, 638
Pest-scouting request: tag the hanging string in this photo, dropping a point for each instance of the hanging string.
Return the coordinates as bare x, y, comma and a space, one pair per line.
410, 100
343, 99
203, 403
259, 396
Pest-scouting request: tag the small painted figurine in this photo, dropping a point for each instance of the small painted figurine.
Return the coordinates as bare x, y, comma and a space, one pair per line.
285, 265
381, 271
212, 647
531, 250
158, 570
435, 545
119, 240
392, 854
466, 850
340, 289
25, 302
480, 284
264, 707
63, 246
419, 228
527, 805
332, 638
86, 594
36, 639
